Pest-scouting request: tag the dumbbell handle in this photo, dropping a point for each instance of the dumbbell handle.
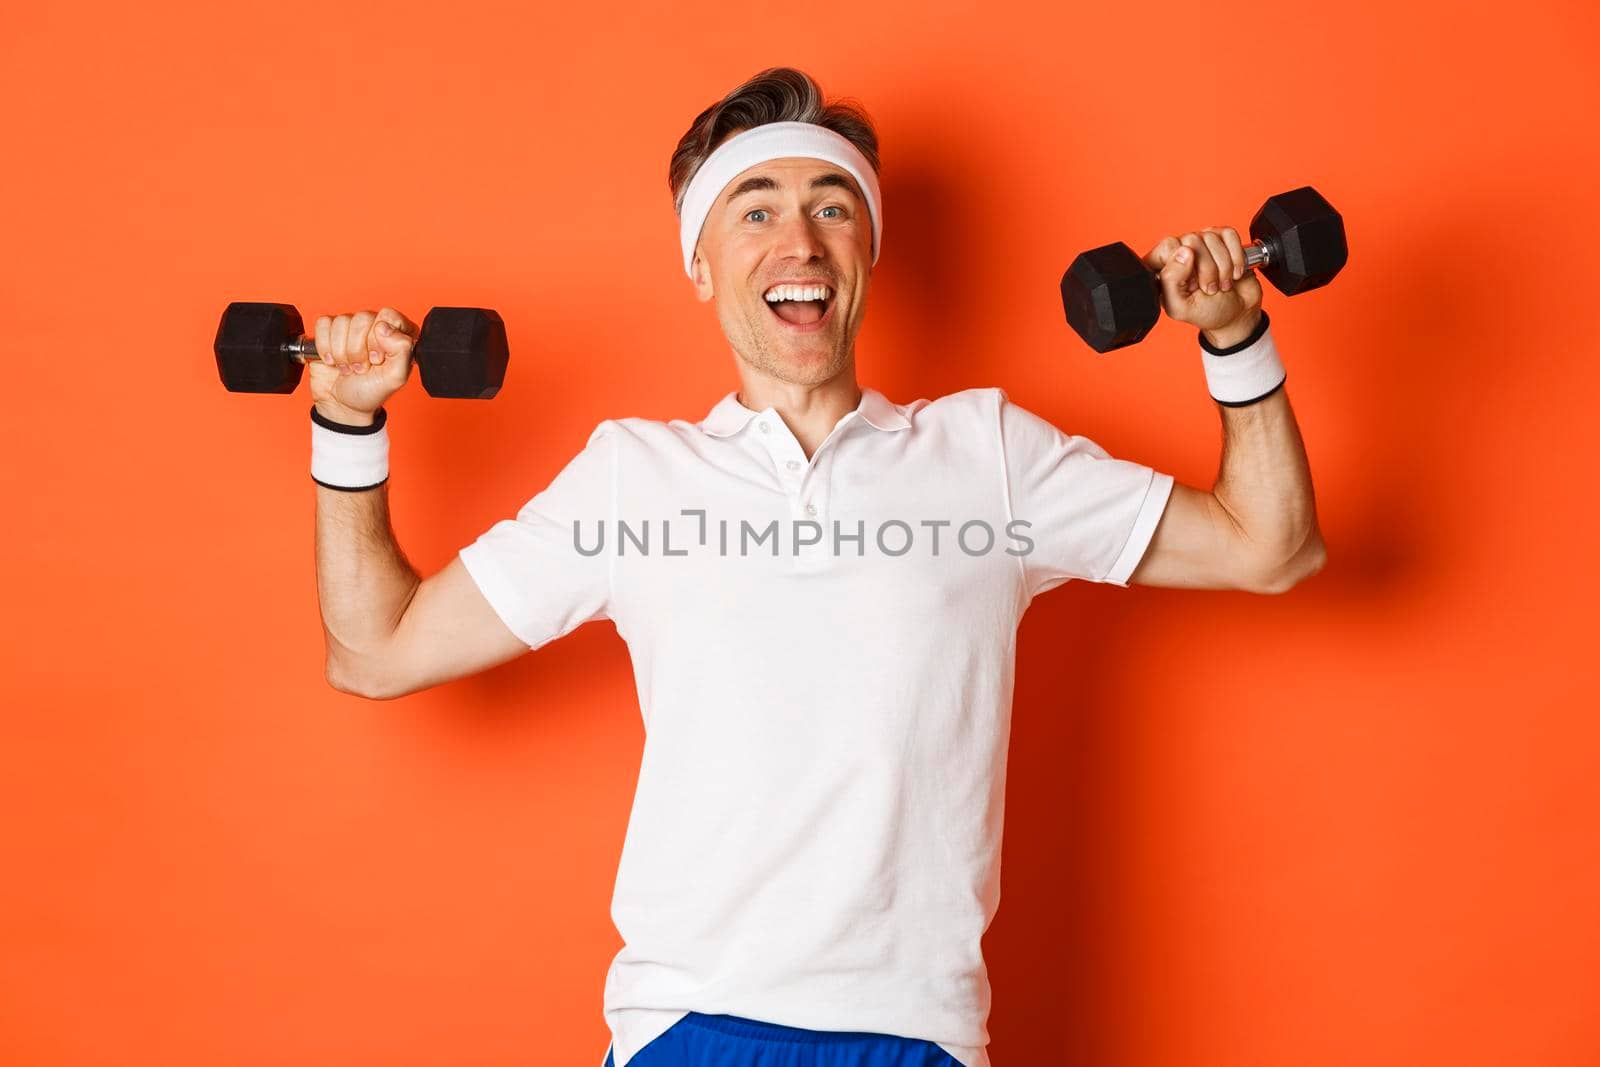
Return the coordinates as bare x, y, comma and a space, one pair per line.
302, 348
1257, 254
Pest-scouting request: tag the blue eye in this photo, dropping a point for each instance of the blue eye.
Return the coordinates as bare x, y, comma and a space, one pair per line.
763, 211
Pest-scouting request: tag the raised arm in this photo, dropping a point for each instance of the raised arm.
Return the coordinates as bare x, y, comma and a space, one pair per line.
390, 632
1256, 529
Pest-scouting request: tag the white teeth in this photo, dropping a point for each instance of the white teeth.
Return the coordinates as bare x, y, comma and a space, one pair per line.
797, 292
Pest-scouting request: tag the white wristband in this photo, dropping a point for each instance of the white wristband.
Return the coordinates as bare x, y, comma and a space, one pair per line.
1246, 372
349, 457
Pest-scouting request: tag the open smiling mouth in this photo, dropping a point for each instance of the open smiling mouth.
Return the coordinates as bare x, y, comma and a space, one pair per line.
801, 316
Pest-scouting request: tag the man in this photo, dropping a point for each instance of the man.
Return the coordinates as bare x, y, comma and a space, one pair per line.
819, 589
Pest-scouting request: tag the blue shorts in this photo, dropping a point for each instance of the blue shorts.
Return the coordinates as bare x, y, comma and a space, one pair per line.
699, 1040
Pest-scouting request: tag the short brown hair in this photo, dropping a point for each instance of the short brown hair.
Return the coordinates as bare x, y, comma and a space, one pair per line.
777, 94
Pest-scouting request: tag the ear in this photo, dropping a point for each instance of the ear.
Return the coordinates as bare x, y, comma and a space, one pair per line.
702, 277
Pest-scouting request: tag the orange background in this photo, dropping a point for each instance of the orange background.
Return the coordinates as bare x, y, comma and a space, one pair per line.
1352, 824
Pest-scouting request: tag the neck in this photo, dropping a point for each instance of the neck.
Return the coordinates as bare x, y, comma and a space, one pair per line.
810, 411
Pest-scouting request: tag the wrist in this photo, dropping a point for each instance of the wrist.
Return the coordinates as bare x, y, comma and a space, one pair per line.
1235, 331
348, 456
336, 412
1246, 371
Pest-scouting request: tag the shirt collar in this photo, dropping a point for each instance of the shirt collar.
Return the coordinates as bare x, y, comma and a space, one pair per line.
729, 416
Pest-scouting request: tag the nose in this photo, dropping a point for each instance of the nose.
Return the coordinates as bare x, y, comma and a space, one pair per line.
797, 238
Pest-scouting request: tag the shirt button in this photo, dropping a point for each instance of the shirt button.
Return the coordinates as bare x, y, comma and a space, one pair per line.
764, 427
811, 509
793, 464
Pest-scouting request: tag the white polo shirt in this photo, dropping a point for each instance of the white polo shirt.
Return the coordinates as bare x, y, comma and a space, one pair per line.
823, 651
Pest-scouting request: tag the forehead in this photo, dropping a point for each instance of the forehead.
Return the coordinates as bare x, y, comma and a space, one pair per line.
777, 175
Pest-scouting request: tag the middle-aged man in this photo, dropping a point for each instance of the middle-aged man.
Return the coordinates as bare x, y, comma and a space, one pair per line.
820, 590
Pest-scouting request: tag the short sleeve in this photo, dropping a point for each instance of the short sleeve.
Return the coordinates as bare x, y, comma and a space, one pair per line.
531, 569
1088, 514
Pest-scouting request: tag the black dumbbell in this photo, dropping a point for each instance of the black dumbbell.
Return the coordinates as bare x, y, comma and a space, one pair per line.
1112, 299
262, 348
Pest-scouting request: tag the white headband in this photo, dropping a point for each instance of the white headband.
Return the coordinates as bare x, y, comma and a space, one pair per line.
775, 140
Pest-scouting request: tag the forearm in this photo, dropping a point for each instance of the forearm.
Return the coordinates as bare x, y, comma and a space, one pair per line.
364, 582
1264, 482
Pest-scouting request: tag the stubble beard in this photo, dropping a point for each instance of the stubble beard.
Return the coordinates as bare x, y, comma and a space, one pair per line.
765, 352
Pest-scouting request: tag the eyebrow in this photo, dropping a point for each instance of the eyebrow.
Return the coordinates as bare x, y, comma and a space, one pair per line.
751, 185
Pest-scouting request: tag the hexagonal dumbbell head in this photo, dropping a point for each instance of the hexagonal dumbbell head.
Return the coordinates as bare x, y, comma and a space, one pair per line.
1305, 236
250, 347
462, 352
1111, 298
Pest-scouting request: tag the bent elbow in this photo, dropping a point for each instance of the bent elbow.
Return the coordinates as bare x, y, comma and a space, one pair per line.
360, 683
1305, 563
339, 681
1319, 560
